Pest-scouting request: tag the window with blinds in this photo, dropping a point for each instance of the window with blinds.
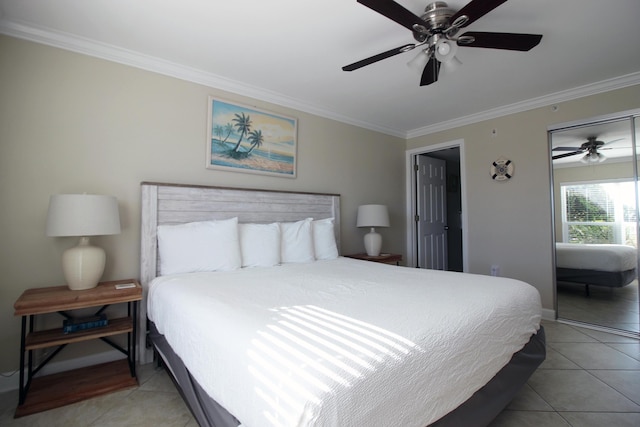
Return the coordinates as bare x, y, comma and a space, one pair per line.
599, 213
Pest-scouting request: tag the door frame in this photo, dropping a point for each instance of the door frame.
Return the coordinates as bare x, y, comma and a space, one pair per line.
410, 186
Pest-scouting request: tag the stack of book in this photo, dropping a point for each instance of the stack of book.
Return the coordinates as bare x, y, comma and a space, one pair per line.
83, 323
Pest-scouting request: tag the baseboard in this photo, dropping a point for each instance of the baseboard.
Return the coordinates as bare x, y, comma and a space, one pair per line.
11, 381
548, 314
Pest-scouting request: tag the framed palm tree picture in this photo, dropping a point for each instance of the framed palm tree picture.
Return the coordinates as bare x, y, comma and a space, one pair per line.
241, 138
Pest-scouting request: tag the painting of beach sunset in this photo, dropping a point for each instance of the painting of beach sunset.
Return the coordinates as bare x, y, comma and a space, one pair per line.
241, 138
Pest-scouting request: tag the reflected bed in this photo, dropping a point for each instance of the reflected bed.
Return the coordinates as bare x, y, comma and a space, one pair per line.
596, 264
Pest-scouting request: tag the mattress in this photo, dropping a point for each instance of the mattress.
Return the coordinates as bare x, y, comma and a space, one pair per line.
599, 257
342, 342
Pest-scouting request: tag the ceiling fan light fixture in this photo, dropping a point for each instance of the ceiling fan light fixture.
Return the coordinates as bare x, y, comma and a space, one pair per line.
438, 27
452, 64
420, 61
593, 157
446, 50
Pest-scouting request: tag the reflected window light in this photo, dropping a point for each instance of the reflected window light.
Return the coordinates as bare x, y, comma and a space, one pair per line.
308, 352
350, 331
329, 345
303, 358
326, 331
291, 365
324, 355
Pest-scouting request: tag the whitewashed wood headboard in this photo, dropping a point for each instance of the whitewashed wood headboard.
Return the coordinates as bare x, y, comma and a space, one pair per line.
179, 203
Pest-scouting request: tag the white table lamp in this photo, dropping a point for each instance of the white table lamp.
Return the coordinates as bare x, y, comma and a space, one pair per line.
373, 216
83, 215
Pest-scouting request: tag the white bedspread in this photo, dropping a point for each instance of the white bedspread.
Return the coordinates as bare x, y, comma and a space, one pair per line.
342, 342
600, 257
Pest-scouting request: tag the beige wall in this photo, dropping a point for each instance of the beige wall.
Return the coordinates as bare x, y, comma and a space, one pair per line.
510, 222
73, 123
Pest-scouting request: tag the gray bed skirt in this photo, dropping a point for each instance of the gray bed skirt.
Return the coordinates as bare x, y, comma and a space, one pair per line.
613, 279
479, 410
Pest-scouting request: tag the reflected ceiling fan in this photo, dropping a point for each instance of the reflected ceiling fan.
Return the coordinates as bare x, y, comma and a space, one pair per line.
436, 35
591, 150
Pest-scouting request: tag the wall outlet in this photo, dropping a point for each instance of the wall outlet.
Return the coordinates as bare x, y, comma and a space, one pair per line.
495, 270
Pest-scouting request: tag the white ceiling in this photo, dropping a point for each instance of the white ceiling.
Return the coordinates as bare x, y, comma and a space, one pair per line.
617, 144
290, 52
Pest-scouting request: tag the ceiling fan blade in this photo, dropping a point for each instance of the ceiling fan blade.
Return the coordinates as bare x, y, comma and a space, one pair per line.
612, 142
430, 72
476, 9
397, 13
378, 57
560, 156
508, 41
566, 149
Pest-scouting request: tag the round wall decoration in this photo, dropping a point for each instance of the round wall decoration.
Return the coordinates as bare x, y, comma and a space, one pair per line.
502, 169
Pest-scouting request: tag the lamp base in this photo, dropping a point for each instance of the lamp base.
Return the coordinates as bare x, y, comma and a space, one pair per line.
83, 265
373, 242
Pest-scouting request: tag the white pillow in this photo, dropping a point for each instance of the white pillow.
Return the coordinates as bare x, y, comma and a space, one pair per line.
199, 246
324, 239
296, 243
260, 244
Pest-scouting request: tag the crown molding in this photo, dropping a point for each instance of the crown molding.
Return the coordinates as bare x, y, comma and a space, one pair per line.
543, 101
160, 66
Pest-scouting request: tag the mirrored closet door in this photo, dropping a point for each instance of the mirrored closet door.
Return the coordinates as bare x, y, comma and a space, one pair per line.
595, 205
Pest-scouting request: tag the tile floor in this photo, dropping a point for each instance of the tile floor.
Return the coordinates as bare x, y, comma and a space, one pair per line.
611, 307
590, 379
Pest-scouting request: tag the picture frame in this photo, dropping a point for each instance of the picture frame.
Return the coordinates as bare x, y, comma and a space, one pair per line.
242, 138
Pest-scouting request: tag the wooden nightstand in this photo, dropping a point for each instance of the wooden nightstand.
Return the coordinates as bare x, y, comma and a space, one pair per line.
51, 391
383, 258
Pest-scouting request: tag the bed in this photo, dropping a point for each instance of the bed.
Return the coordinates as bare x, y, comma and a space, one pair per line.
596, 264
325, 341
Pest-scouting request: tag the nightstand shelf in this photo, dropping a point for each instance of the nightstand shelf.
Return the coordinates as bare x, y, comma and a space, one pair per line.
40, 393
64, 388
55, 337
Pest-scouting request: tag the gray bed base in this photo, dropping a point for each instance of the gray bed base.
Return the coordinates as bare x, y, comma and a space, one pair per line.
478, 411
615, 279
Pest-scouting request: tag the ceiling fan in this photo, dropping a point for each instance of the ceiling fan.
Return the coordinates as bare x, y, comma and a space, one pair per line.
436, 35
591, 150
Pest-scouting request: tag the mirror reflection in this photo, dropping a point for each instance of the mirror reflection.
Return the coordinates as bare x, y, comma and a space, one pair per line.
596, 223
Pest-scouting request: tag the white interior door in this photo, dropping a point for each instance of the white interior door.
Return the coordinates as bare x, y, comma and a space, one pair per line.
432, 212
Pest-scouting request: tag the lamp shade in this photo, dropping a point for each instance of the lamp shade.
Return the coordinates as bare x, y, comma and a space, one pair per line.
82, 215
373, 216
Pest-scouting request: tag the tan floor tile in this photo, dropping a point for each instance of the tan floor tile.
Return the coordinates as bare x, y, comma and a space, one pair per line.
577, 390
559, 332
80, 414
607, 337
631, 349
585, 419
159, 382
626, 382
147, 408
595, 356
529, 419
556, 360
528, 400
